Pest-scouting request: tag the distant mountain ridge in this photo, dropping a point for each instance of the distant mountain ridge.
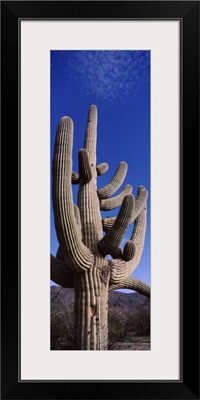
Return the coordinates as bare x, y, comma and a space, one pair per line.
127, 301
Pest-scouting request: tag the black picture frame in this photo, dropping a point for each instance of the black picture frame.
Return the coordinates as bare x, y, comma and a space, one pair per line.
188, 386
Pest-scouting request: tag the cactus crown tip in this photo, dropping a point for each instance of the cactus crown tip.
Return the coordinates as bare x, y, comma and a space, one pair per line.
93, 109
92, 114
66, 119
142, 189
129, 198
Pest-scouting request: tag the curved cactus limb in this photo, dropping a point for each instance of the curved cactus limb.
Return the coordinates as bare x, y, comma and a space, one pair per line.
139, 230
115, 182
78, 219
75, 178
129, 250
111, 241
76, 254
121, 269
114, 202
118, 253
102, 168
61, 273
133, 284
85, 172
140, 201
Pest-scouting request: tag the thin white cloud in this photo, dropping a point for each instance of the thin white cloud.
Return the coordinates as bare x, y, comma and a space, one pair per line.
108, 75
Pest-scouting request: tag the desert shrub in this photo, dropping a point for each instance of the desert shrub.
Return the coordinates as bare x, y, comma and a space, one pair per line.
62, 328
117, 325
139, 323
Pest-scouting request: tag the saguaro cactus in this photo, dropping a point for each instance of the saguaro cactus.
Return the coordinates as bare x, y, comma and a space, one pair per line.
81, 261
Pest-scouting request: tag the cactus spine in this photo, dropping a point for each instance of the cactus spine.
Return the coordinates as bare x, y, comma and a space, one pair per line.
81, 261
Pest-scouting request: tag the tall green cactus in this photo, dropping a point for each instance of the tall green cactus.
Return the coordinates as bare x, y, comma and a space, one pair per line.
81, 261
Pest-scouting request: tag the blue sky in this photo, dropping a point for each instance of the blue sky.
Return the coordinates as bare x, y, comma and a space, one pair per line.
118, 83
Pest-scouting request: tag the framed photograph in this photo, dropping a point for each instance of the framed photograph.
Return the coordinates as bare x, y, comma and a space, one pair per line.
100, 85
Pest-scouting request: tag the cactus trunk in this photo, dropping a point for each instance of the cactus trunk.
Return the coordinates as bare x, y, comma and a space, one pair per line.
91, 311
81, 260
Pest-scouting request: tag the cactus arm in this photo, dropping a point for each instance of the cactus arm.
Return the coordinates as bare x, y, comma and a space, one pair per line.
117, 253
140, 201
111, 241
61, 273
129, 250
120, 268
88, 201
76, 254
75, 178
133, 284
115, 183
60, 252
102, 168
78, 219
138, 234
85, 172
114, 202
